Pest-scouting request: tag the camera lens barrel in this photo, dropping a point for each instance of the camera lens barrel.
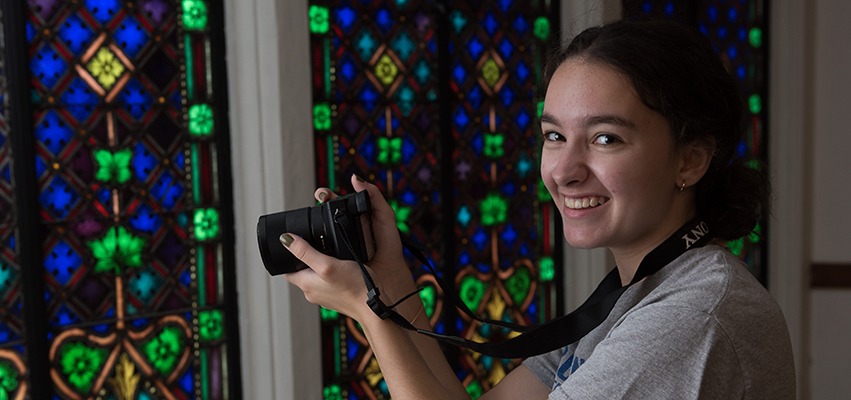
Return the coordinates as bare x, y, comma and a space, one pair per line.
316, 225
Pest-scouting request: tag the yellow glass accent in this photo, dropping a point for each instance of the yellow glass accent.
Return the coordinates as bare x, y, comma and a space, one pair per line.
491, 72
496, 306
497, 373
125, 380
372, 373
386, 70
105, 67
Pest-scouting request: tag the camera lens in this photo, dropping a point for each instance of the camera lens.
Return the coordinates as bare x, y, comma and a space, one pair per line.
276, 258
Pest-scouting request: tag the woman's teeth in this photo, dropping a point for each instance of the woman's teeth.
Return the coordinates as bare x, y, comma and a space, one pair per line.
585, 202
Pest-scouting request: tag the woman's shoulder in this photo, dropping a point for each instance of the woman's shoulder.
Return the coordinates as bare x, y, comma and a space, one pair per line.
707, 280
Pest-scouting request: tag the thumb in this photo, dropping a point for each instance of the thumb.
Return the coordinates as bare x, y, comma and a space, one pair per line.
302, 250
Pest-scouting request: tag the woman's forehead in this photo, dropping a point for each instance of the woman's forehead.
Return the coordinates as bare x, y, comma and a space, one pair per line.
580, 90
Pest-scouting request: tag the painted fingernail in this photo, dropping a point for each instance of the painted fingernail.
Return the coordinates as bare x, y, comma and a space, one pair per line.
359, 178
286, 239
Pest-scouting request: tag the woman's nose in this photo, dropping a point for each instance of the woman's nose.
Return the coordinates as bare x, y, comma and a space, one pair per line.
569, 165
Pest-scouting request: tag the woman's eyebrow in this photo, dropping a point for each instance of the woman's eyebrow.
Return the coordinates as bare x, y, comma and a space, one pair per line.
547, 118
608, 119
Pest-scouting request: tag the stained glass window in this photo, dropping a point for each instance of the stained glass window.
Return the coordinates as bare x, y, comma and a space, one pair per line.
13, 368
737, 31
135, 237
436, 105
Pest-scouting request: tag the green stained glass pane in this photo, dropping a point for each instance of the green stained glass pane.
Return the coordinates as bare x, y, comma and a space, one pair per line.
322, 117
328, 315
543, 193
194, 15
389, 150
755, 37
755, 236
80, 364
518, 285
472, 291
428, 295
540, 108
548, 270
402, 215
494, 209
542, 28
117, 250
755, 104
8, 379
333, 392
200, 120
736, 246
165, 349
210, 325
493, 145
475, 389
318, 19
206, 224
113, 167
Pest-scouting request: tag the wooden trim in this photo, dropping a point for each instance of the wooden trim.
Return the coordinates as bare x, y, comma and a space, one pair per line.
830, 276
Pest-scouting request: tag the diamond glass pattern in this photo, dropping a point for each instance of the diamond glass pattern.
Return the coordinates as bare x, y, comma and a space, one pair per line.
377, 109
121, 168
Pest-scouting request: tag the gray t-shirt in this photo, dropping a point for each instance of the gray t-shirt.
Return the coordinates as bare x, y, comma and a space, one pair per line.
701, 327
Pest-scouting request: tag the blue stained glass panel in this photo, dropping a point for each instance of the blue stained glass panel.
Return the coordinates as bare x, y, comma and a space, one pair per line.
48, 66
58, 197
403, 46
75, 34
53, 132
167, 190
62, 262
79, 99
103, 10
346, 18
135, 98
145, 220
131, 36
143, 162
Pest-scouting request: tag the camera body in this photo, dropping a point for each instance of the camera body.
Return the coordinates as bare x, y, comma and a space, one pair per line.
317, 225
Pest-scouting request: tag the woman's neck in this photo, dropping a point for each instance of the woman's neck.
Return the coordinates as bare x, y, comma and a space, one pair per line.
629, 258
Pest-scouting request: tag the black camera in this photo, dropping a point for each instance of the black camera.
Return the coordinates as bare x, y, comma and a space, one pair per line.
323, 226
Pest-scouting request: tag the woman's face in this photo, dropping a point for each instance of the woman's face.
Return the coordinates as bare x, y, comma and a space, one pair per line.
609, 162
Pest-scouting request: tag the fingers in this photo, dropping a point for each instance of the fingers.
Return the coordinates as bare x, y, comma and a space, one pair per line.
324, 194
301, 249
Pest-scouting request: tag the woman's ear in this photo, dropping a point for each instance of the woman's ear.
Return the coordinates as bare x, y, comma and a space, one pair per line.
695, 160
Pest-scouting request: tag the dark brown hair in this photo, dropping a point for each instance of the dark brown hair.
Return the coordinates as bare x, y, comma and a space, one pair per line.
677, 73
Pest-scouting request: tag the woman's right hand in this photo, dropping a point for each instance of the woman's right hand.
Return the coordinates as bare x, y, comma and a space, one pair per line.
388, 261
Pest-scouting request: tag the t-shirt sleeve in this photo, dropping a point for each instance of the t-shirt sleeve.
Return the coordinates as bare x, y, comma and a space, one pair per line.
544, 366
659, 351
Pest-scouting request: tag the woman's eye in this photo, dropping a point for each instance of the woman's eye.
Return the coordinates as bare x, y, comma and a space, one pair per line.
552, 136
606, 139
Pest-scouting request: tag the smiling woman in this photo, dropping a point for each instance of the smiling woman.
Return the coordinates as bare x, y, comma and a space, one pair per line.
639, 123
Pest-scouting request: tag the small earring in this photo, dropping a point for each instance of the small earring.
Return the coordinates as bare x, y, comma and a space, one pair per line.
683, 186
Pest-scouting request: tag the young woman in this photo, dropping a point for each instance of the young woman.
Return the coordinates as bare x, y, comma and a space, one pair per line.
640, 125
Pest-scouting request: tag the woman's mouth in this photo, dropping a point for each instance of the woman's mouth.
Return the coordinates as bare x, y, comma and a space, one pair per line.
584, 202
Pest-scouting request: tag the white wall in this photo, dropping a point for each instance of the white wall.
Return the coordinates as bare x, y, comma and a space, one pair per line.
830, 309
271, 135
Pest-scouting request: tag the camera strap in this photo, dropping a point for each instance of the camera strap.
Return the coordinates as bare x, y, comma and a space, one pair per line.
556, 333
